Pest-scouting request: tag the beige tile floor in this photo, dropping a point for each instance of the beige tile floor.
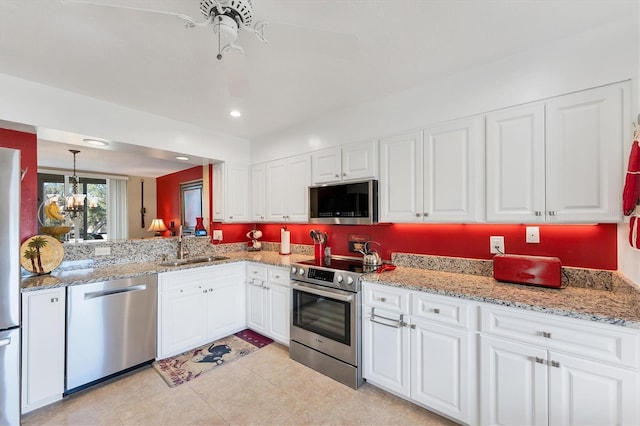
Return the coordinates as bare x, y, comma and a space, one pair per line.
263, 388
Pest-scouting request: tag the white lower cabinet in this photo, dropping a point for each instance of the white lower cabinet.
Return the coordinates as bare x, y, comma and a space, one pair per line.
199, 305
269, 301
43, 337
539, 374
408, 353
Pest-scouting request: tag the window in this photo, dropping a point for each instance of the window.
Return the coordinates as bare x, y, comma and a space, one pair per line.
93, 220
191, 204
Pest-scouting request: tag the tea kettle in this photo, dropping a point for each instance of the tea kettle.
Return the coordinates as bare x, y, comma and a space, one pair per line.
370, 257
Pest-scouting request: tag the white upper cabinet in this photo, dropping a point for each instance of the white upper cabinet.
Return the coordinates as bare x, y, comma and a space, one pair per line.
400, 186
287, 194
453, 180
584, 156
258, 187
231, 192
348, 162
516, 165
434, 176
558, 161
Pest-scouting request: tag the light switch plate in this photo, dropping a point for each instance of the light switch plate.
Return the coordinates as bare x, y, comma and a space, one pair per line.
217, 234
533, 234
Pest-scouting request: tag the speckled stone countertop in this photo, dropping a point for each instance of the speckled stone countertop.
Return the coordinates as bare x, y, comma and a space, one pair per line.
620, 307
89, 274
605, 299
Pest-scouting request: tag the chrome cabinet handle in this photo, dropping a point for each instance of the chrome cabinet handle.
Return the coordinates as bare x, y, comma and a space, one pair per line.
425, 214
413, 326
383, 299
418, 215
546, 334
396, 323
436, 310
555, 364
337, 175
54, 299
539, 360
344, 174
552, 213
538, 213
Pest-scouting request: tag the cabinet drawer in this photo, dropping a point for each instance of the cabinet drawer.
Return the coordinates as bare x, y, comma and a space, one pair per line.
256, 272
278, 276
445, 310
598, 341
386, 297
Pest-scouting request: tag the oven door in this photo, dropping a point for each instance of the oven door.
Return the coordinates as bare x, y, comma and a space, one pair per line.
326, 320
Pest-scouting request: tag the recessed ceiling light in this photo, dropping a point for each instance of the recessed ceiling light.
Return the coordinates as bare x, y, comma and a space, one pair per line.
95, 142
235, 113
181, 157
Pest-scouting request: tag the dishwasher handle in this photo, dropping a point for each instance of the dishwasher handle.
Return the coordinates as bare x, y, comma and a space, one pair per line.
103, 293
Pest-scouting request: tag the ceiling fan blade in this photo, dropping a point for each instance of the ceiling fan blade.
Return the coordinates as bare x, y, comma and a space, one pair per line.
190, 21
235, 66
314, 40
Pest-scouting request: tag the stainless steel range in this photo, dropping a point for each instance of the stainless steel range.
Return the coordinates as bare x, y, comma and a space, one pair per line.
325, 317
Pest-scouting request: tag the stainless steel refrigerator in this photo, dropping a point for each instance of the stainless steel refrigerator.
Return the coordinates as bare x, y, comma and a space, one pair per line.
9, 286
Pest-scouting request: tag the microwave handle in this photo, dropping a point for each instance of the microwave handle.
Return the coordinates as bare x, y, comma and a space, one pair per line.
323, 293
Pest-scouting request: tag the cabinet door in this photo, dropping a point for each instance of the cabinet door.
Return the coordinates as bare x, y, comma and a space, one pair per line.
515, 190
277, 188
256, 313
385, 352
218, 192
258, 188
453, 159
401, 178
183, 318
237, 201
586, 392
43, 337
584, 156
440, 368
279, 307
360, 160
513, 383
326, 166
297, 187
225, 307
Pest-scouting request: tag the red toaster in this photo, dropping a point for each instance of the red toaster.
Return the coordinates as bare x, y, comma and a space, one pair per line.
532, 270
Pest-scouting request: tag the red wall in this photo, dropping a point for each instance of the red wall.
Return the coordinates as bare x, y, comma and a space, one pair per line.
586, 246
27, 143
168, 194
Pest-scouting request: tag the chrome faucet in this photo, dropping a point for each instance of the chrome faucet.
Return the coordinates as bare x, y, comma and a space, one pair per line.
182, 252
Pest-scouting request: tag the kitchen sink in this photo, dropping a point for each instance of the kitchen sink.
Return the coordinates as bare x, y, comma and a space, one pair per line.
189, 260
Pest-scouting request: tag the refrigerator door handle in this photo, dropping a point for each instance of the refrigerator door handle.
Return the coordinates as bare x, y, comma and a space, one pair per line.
5, 342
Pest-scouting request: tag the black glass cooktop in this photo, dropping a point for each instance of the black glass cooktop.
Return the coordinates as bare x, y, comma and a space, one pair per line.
339, 264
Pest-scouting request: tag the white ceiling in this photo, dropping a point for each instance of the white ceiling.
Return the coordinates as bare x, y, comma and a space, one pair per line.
150, 62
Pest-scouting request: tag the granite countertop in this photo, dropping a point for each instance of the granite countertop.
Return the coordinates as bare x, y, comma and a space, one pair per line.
606, 306
64, 278
610, 307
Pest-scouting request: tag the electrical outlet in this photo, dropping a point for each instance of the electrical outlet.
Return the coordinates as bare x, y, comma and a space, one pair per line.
217, 234
533, 234
102, 251
496, 244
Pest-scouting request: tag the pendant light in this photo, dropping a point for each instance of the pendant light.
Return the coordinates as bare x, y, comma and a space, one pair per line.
75, 200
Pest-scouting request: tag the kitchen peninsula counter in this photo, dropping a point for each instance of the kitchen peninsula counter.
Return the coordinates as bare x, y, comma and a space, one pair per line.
619, 305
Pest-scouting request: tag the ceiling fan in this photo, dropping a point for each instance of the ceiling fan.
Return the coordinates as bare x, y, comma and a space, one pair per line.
230, 17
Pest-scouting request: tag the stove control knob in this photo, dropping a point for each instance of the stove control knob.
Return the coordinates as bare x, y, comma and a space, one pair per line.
339, 278
350, 280
294, 270
301, 271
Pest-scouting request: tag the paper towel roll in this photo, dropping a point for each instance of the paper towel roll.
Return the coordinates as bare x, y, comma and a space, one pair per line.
285, 238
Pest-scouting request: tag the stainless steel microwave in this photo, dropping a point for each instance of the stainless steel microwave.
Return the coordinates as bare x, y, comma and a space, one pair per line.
346, 203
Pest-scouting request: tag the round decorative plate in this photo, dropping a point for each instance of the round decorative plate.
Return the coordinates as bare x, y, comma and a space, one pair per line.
41, 254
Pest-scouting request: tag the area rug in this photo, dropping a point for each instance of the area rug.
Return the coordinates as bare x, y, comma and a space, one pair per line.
192, 364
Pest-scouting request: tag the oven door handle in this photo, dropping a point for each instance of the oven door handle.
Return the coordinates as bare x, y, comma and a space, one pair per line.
324, 293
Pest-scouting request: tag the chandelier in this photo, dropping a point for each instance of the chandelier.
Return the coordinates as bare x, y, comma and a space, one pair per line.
75, 200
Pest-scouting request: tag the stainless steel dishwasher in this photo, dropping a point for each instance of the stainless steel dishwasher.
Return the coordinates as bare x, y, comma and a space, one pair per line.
111, 328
